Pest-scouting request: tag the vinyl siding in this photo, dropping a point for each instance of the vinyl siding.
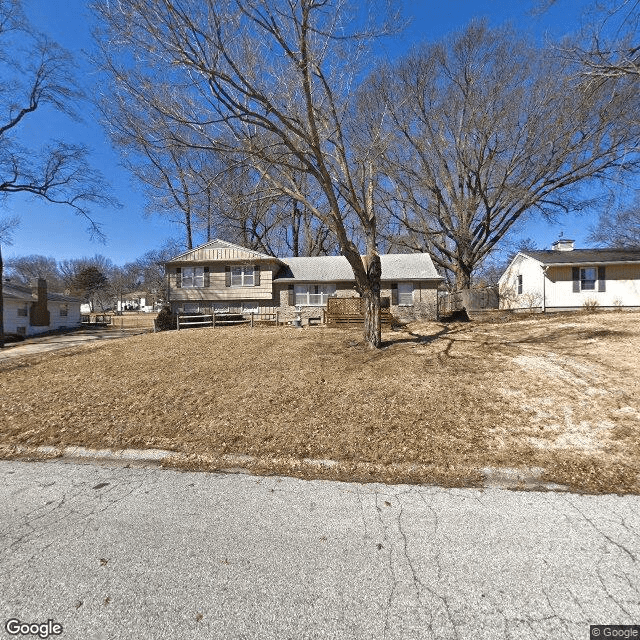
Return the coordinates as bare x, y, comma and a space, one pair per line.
217, 291
622, 287
532, 284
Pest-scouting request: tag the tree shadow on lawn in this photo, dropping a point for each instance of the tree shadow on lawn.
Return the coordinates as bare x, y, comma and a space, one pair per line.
416, 338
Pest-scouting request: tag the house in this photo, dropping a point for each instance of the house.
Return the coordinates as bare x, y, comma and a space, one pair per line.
565, 278
220, 277
31, 310
138, 301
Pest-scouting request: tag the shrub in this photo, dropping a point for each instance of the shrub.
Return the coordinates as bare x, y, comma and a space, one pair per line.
166, 320
590, 305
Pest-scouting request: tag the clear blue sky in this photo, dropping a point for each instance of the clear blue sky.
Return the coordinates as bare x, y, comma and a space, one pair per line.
54, 230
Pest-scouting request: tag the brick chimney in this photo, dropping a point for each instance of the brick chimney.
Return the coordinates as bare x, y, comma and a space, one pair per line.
562, 244
39, 313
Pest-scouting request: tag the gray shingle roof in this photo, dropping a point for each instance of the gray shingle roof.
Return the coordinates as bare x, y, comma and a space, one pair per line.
585, 256
12, 291
404, 266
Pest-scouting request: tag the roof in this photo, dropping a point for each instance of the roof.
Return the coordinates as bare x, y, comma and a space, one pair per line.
207, 252
584, 256
12, 291
402, 266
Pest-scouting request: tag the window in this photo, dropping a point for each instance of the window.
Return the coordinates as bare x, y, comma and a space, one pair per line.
22, 311
191, 307
588, 277
405, 294
21, 331
250, 307
242, 276
519, 285
64, 310
221, 307
192, 277
314, 295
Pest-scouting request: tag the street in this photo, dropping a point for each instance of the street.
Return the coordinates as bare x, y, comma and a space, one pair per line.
112, 552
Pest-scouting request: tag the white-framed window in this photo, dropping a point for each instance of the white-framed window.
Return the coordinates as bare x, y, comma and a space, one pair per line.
250, 307
21, 331
588, 277
405, 294
23, 311
64, 310
221, 307
242, 276
519, 285
192, 277
313, 295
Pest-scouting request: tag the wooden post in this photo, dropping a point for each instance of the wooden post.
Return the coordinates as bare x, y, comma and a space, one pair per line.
252, 319
324, 316
178, 321
213, 319
277, 318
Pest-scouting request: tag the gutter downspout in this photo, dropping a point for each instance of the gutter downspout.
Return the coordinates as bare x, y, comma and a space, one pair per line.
544, 288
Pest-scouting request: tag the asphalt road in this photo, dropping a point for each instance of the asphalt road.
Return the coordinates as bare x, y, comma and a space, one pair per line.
136, 553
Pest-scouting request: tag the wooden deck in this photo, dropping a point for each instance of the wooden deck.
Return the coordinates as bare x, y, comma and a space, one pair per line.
349, 312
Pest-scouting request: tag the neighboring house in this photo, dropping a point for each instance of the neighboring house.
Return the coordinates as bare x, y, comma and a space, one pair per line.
137, 301
31, 310
220, 277
565, 278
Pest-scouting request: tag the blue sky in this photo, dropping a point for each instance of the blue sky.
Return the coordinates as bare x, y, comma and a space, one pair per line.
54, 230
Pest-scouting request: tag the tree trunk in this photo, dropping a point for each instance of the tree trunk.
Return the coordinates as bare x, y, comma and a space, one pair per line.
463, 277
1, 302
371, 295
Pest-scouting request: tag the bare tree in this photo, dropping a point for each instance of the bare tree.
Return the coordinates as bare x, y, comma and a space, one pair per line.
489, 128
35, 72
7, 226
619, 228
151, 269
608, 44
272, 81
25, 269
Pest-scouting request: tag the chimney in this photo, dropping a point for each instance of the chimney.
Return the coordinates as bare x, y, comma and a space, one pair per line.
39, 315
562, 244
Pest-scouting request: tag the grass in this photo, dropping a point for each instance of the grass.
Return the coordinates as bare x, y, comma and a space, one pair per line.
437, 404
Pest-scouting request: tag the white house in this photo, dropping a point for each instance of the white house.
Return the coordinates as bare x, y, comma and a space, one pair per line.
566, 278
31, 310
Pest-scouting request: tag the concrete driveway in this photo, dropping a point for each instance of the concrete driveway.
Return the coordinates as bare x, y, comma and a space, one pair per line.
35, 345
118, 553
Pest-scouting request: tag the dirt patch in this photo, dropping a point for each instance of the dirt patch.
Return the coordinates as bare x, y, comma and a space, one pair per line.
437, 404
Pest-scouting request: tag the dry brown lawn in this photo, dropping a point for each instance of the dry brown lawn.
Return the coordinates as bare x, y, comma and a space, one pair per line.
438, 404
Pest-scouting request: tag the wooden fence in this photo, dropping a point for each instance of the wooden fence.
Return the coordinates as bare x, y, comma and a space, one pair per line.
346, 312
223, 319
471, 299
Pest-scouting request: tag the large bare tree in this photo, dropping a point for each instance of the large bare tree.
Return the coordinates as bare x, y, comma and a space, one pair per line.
488, 128
35, 72
272, 81
619, 228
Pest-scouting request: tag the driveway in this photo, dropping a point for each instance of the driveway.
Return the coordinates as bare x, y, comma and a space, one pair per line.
118, 553
35, 345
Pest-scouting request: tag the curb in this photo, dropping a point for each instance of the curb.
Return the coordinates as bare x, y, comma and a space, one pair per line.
494, 478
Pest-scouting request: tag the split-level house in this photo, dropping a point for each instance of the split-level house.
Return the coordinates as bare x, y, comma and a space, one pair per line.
220, 277
565, 278
32, 310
